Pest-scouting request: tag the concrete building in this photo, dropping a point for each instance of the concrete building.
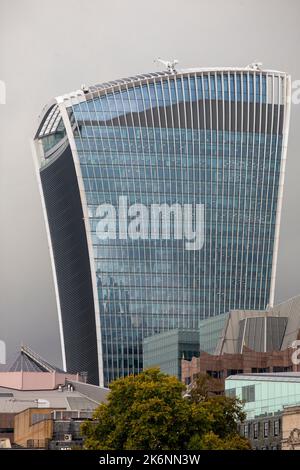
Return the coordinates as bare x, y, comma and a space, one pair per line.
291, 428
33, 428
50, 429
32, 386
264, 432
212, 138
274, 431
67, 429
7, 425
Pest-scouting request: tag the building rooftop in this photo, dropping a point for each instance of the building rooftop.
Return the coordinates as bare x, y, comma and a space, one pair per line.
268, 377
92, 91
29, 372
69, 398
255, 67
273, 329
29, 361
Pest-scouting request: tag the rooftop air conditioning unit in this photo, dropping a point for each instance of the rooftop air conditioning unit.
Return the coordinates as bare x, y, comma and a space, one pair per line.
67, 437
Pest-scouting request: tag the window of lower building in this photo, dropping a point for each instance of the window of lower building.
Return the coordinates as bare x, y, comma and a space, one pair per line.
260, 370
282, 369
276, 427
234, 372
255, 430
248, 393
266, 429
230, 392
216, 374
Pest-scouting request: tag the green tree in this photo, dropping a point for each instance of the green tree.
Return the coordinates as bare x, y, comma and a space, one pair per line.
149, 412
211, 441
146, 411
226, 413
202, 388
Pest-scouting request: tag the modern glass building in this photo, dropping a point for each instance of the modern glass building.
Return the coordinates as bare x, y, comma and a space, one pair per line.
166, 350
210, 137
265, 393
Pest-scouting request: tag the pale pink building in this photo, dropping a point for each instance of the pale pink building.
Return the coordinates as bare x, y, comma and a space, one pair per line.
30, 372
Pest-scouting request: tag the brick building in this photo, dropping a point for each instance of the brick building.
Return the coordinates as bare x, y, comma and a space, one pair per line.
222, 366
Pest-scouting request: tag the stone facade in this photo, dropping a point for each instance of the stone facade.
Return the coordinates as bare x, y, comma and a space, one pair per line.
291, 428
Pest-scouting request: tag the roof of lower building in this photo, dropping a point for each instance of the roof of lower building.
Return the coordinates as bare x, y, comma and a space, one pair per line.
69, 398
29, 361
268, 377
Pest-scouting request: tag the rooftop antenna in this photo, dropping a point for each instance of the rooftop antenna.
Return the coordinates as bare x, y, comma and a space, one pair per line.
170, 65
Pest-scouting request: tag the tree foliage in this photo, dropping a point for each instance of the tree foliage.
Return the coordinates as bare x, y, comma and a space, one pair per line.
202, 387
211, 441
149, 412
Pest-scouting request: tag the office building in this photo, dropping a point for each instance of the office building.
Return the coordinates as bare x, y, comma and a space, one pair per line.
168, 350
272, 408
162, 197
274, 329
241, 341
265, 393
248, 362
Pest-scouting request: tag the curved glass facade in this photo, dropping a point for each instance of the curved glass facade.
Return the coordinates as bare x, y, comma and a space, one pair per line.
210, 138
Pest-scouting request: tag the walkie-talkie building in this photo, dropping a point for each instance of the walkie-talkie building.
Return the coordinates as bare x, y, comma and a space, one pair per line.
113, 154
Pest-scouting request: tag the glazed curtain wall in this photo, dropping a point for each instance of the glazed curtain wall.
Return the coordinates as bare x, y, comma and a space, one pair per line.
211, 139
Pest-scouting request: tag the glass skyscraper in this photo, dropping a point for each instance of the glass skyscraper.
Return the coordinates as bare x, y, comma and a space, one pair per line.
210, 137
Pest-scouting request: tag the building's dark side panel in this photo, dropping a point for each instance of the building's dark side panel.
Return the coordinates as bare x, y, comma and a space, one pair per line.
70, 250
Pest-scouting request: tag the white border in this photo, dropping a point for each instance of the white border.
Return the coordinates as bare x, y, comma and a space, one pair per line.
286, 126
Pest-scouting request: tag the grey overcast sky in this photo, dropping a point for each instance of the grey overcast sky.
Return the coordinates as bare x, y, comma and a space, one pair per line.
50, 48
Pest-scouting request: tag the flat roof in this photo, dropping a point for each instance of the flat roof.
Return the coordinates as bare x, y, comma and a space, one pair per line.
82, 395
267, 377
